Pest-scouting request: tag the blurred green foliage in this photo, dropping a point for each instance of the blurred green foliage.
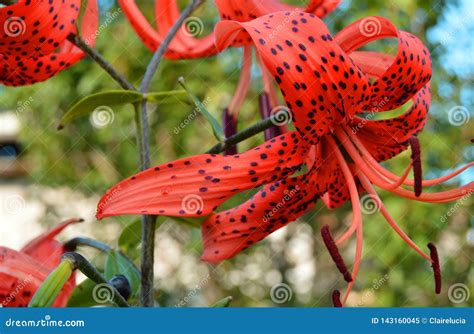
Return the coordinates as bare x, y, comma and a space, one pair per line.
91, 160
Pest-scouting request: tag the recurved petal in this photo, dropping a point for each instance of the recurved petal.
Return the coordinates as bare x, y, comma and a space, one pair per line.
386, 138
33, 67
402, 76
36, 28
320, 83
229, 232
21, 276
186, 43
45, 249
197, 185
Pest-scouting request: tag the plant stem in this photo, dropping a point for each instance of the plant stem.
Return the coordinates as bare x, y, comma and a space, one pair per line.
249, 132
149, 222
80, 263
72, 244
101, 61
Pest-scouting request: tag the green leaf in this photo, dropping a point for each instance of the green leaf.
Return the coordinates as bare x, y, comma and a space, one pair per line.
192, 222
167, 97
103, 101
52, 285
201, 107
82, 296
225, 302
116, 264
130, 237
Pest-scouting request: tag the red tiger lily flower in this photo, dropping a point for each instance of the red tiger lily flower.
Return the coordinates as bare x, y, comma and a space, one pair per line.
185, 45
325, 83
22, 272
34, 30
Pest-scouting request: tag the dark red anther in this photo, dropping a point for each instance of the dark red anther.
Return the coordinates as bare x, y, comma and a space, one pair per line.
334, 252
436, 267
230, 128
336, 298
416, 160
265, 112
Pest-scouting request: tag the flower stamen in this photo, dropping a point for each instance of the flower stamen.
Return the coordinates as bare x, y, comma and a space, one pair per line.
416, 161
335, 254
436, 267
336, 298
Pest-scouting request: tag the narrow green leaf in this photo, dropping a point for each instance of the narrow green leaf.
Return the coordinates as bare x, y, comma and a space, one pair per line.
117, 264
167, 97
216, 126
100, 102
225, 302
82, 296
192, 222
52, 285
130, 237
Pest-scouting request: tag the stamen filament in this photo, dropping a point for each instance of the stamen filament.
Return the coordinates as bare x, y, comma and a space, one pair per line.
368, 187
386, 173
357, 213
244, 82
375, 178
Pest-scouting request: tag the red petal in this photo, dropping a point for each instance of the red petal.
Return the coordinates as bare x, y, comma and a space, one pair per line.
21, 276
248, 10
37, 28
45, 249
402, 78
183, 45
227, 233
386, 138
33, 66
319, 82
195, 186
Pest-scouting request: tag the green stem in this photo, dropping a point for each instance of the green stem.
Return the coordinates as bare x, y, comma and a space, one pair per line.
72, 244
101, 61
249, 132
80, 263
149, 222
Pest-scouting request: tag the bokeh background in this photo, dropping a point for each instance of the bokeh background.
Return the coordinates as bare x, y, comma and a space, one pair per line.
49, 175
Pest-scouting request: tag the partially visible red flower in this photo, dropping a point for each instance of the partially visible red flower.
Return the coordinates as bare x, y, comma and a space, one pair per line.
326, 84
34, 45
185, 45
22, 272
